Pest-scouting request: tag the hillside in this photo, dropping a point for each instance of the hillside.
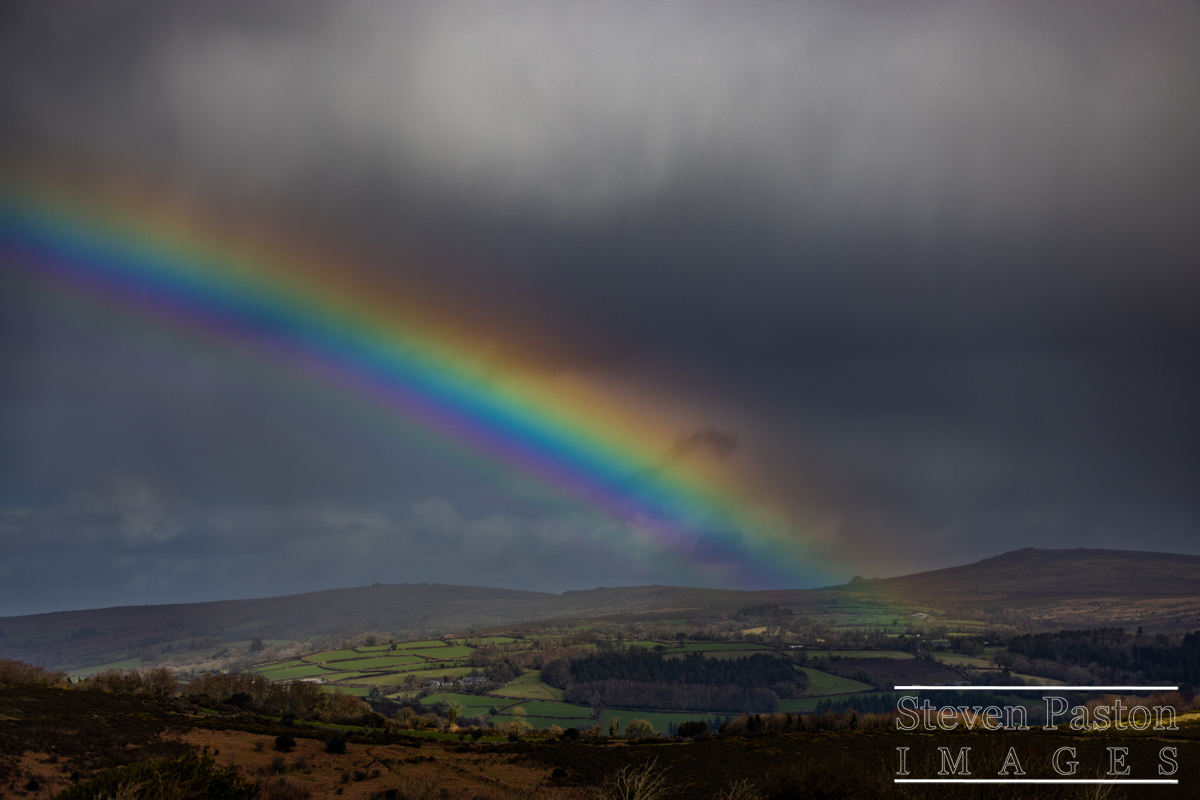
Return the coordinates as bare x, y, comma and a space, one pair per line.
1029, 588
1068, 588
72, 638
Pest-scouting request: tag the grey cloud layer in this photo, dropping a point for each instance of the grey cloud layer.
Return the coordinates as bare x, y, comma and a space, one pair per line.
931, 266
927, 118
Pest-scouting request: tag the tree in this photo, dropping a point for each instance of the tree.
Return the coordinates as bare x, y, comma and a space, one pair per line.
614, 725
256, 644
285, 742
641, 729
453, 709
692, 728
336, 744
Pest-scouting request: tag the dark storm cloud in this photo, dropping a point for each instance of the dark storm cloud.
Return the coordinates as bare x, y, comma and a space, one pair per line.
708, 441
930, 265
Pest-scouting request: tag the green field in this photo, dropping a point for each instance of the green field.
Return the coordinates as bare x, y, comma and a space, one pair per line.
420, 645
822, 683
472, 704
658, 719
549, 708
296, 662
352, 677
808, 704
332, 655
442, 653
306, 671
1036, 681
388, 679
377, 662
530, 686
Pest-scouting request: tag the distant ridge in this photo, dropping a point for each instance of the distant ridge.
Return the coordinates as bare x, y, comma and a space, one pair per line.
1064, 587
1052, 588
69, 638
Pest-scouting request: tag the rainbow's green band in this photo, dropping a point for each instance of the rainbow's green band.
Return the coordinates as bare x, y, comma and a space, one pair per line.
411, 372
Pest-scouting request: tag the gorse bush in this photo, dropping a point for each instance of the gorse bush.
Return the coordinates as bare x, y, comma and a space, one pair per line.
647, 782
184, 777
160, 682
299, 699
18, 673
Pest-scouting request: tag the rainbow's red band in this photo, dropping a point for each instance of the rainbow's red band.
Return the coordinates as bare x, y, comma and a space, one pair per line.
587, 453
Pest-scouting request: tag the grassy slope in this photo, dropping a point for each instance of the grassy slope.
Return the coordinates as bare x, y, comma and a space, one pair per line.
822, 683
530, 686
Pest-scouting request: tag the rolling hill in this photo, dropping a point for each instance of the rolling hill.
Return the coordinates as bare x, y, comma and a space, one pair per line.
1032, 588
72, 638
1061, 588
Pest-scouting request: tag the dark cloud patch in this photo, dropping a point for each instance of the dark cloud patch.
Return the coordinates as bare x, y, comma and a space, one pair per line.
709, 441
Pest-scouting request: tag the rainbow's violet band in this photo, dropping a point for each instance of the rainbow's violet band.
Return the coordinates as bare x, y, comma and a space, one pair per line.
413, 373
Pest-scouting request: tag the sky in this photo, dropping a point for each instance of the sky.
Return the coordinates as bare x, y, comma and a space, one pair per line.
916, 280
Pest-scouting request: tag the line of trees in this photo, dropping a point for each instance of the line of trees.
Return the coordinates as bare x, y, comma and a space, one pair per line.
641, 678
639, 664
672, 696
1107, 654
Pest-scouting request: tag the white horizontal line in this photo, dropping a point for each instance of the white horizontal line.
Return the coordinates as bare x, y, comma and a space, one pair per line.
1036, 780
1043, 688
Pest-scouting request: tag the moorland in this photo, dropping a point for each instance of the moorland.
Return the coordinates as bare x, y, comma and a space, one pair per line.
683, 692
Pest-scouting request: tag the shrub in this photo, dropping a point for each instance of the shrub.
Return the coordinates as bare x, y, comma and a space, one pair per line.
738, 790
336, 744
18, 673
186, 776
285, 742
647, 782
282, 790
411, 789
692, 729
641, 729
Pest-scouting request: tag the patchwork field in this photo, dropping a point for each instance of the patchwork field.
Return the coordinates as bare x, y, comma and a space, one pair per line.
974, 662
401, 670
529, 686
896, 671
822, 683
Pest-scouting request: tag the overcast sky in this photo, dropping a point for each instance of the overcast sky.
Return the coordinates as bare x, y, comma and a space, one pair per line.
929, 270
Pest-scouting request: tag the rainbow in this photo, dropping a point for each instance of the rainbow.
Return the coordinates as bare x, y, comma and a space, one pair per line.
309, 317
